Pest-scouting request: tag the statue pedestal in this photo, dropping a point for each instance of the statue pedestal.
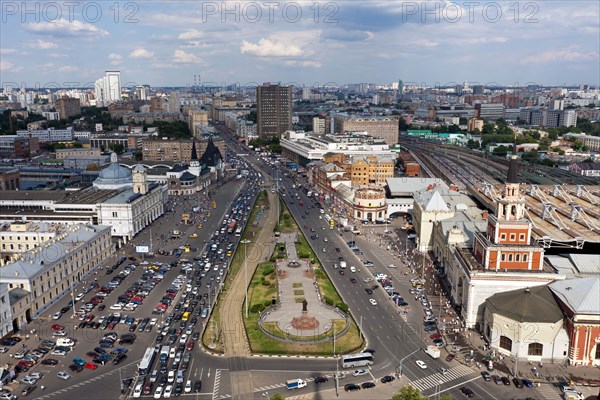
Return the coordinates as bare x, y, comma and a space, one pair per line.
305, 322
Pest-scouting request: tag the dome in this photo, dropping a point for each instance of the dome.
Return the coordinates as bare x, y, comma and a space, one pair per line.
114, 176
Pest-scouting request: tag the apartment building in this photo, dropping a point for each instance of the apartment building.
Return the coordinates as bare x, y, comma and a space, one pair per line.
273, 110
386, 128
176, 150
364, 171
68, 107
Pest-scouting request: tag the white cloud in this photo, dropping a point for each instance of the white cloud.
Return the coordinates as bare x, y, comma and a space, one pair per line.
141, 53
63, 28
7, 51
115, 59
194, 34
7, 66
181, 56
271, 48
307, 63
68, 68
162, 65
568, 54
42, 44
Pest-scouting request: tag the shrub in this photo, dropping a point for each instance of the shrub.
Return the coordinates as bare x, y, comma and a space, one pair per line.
255, 309
266, 283
343, 307
328, 300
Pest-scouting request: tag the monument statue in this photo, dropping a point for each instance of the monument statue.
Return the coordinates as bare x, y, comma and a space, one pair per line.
304, 305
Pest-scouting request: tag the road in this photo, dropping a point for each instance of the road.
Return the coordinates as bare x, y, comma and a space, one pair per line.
383, 326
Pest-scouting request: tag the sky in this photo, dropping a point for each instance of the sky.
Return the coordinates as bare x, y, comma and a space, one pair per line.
303, 42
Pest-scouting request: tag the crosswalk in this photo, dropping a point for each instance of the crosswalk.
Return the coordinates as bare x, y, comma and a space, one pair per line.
433, 380
548, 392
277, 386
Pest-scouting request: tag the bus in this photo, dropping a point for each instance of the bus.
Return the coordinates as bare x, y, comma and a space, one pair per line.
147, 361
332, 224
186, 316
357, 360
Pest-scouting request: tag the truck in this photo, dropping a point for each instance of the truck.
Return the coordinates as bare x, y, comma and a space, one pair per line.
342, 264
295, 384
232, 226
433, 351
164, 354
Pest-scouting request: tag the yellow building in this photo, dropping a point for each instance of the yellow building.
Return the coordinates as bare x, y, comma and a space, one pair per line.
474, 123
195, 118
364, 171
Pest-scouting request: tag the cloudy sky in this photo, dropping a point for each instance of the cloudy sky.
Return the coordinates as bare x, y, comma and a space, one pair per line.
305, 42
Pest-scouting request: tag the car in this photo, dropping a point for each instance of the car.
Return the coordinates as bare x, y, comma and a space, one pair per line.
50, 361
76, 367
57, 315
29, 380
369, 291
367, 385
137, 391
497, 380
188, 386
90, 365
148, 386
518, 382
360, 372
505, 381
78, 361
57, 327
373, 302
63, 375
421, 364
353, 280
168, 391
387, 378
486, 376
27, 390
435, 336
158, 392
197, 386
321, 379
59, 333
467, 392
527, 383
59, 352
351, 387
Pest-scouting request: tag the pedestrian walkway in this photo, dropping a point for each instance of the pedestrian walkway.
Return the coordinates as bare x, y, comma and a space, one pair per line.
548, 391
434, 379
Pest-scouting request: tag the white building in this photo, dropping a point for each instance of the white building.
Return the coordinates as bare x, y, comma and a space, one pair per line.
108, 88
40, 277
49, 135
305, 147
5, 312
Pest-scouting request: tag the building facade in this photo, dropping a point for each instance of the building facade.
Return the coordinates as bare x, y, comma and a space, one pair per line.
273, 110
176, 150
46, 273
386, 128
61, 154
68, 107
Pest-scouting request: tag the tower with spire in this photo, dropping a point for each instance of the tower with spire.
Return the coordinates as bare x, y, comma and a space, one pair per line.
194, 168
507, 243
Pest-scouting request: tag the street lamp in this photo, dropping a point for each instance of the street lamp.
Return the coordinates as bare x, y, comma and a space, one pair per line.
245, 243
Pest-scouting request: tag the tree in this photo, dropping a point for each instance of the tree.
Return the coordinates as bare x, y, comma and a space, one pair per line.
408, 393
277, 396
446, 397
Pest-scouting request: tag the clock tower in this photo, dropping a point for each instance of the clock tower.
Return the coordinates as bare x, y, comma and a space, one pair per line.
140, 179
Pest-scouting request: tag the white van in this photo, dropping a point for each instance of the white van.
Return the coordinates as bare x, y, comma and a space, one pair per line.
352, 269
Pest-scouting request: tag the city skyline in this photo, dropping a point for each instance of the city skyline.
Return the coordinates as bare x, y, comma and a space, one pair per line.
432, 43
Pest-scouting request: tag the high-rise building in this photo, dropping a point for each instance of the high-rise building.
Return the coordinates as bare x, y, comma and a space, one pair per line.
492, 111
273, 110
68, 107
142, 92
108, 88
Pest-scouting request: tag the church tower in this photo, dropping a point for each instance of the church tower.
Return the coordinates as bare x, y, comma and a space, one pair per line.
507, 243
194, 168
140, 179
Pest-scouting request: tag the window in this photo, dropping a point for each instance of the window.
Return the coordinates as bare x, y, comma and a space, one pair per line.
521, 237
512, 237
510, 258
503, 257
517, 257
114, 214
503, 236
524, 257
535, 349
597, 351
505, 343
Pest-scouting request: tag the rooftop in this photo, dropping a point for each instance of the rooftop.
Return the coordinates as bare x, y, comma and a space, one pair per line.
407, 186
580, 295
535, 304
43, 257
